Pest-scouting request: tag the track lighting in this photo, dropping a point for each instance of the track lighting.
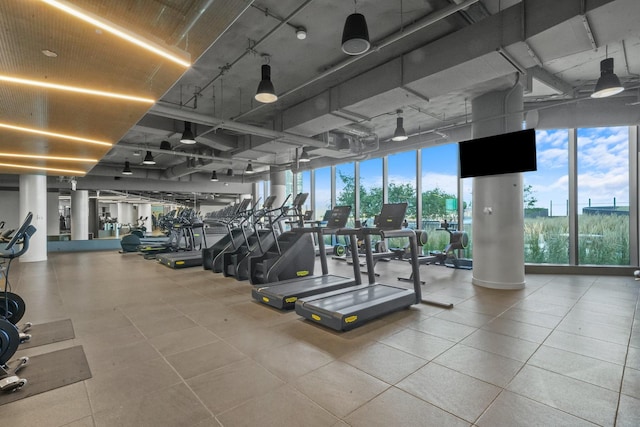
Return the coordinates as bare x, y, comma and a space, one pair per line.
608, 84
249, 169
187, 135
399, 134
214, 176
148, 159
355, 35
266, 92
127, 169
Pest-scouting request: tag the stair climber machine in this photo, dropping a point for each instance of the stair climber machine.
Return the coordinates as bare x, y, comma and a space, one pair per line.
257, 238
291, 255
12, 308
284, 293
347, 308
213, 257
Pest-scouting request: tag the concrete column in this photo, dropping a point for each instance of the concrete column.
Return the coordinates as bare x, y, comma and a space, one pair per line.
33, 198
278, 187
497, 204
80, 215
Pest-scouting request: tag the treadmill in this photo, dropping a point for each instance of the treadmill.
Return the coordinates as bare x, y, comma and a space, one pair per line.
284, 294
350, 307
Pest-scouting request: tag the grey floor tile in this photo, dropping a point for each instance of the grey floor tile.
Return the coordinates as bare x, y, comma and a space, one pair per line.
275, 409
384, 362
504, 345
512, 410
517, 329
418, 343
446, 329
459, 394
233, 385
395, 407
186, 339
633, 358
613, 334
339, 388
588, 369
57, 407
587, 346
173, 406
118, 387
293, 360
631, 382
575, 397
203, 359
628, 412
490, 367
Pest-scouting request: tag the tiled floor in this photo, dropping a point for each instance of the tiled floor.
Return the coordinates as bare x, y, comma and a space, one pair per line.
191, 348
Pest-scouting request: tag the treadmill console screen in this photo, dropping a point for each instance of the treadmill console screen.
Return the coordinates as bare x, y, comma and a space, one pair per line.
339, 217
391, 216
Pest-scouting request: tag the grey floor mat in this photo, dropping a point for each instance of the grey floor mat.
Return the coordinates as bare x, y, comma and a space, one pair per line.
48, 333
49, 371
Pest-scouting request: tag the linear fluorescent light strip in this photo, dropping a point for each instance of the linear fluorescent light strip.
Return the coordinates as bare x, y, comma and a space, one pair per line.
74, 89
98, 22
56, 135
68, 171
34, 156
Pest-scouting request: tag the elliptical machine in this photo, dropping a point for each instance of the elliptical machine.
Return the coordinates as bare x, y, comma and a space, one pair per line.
11, 311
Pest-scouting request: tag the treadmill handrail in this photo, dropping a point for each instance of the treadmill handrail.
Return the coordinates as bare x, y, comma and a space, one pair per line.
385, 233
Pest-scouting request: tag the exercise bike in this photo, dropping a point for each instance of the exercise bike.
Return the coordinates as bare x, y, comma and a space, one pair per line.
11, 311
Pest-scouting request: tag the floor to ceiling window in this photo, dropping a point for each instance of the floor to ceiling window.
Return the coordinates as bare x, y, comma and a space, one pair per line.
402, 182
546, 200
603, 196
370, 189
439, 178
345, 186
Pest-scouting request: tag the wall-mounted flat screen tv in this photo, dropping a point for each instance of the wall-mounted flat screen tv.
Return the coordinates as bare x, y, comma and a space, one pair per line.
499, 154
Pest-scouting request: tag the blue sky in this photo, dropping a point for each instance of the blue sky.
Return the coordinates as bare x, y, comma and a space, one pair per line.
603, 169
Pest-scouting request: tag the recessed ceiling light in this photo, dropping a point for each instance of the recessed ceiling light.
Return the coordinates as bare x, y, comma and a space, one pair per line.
49, 53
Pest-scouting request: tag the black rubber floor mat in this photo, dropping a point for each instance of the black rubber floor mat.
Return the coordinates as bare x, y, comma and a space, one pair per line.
48, 333
49, 371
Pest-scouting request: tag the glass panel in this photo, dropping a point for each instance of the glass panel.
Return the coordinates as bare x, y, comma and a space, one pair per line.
402, 188
322, 192
603, 196
370, 189
546, 198
439, 177
345, 186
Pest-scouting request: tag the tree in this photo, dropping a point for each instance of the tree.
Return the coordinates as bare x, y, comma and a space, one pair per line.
529, 199
434, 203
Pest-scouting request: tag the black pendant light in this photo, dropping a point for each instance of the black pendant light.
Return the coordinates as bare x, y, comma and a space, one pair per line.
304, 157
214, 176
148, 159
266, 92
127, 169
249, 169
608, 84
355, 35
187, 135
399, 134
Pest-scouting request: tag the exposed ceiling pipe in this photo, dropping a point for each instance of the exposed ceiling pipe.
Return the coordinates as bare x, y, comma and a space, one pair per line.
179, 114
132, 147
406, 31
